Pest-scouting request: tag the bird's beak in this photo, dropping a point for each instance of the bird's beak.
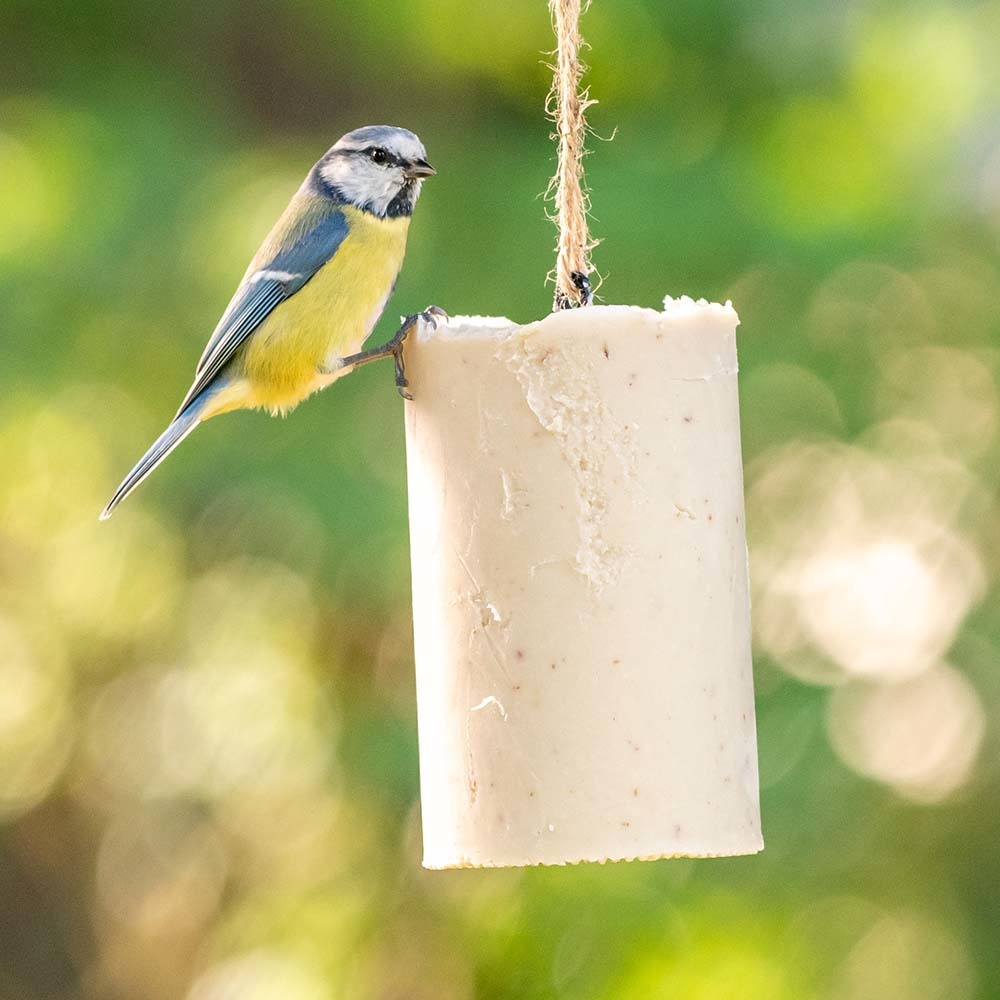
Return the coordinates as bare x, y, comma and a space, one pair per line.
418, 168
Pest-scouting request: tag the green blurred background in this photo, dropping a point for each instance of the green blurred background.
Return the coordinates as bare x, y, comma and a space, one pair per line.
208, 773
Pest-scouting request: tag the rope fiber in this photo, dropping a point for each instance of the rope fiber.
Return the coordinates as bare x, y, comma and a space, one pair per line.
566, 106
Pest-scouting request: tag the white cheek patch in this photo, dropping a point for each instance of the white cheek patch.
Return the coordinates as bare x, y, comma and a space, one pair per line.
364, 183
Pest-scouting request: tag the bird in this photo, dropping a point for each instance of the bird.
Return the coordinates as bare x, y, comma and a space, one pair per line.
312, 293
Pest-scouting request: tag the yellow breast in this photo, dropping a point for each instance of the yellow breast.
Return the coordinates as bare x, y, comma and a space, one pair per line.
329, 318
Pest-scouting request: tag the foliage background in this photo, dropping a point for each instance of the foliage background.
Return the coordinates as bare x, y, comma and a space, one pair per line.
208, 775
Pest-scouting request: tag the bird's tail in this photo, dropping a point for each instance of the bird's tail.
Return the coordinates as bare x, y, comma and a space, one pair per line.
182, 425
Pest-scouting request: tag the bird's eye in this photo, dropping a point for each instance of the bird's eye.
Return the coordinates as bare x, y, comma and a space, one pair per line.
379, 156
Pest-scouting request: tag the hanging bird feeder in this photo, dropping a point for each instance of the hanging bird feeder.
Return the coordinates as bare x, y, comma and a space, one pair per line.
580, 591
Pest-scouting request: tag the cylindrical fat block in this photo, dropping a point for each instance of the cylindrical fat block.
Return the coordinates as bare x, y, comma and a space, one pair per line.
580, 598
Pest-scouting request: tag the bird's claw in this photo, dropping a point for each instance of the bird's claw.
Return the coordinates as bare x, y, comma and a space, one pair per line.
432, 316
401, 382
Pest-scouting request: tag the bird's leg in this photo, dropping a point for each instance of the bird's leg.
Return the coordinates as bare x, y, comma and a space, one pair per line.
394, 347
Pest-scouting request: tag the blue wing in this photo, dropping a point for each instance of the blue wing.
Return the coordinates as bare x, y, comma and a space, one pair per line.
277, 278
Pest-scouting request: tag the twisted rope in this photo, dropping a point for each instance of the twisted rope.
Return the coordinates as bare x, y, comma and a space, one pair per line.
566, 106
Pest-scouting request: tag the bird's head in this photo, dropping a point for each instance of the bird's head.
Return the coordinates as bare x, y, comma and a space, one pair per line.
378, 168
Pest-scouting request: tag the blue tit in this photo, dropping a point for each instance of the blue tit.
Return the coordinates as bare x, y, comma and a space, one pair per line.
313, 292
